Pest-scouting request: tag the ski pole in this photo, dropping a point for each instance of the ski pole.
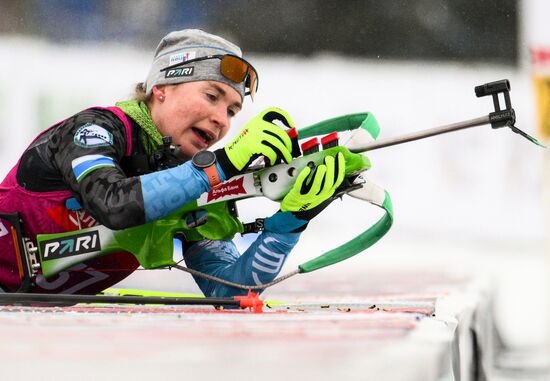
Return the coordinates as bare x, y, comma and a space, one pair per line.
251, 300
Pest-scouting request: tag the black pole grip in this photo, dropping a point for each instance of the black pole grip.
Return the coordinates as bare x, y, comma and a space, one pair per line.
492, 88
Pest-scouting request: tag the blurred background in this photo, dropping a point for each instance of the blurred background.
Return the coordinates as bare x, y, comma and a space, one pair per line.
474, 201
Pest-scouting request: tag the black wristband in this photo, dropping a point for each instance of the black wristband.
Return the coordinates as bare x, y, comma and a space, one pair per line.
227, 167
308, 215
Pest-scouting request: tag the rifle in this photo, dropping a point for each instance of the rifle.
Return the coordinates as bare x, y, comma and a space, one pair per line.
214, 215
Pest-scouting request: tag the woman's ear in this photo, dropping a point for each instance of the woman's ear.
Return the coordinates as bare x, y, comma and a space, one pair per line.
159, 93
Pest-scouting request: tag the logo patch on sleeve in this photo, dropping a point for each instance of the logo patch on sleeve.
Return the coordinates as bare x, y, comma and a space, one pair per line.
92, 135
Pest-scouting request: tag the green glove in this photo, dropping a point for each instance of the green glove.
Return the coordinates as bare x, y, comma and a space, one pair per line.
313, 190
260, 136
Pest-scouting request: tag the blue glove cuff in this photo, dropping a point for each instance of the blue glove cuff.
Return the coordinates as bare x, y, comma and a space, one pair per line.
283, 222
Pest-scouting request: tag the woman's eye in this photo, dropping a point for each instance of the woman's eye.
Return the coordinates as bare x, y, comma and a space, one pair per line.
231, 112
211, 97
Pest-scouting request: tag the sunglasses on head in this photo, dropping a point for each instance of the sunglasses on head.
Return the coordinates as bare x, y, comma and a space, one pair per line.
232, 67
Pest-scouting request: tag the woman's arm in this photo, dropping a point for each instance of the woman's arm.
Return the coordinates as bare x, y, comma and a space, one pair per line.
88, 150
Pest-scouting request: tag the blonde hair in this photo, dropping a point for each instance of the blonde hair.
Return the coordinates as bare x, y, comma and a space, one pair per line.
140, 95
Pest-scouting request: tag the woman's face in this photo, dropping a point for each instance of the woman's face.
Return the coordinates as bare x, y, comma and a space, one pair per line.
195, 114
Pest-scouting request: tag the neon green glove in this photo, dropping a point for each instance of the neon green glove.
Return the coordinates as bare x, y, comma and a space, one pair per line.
313, 190
260, 136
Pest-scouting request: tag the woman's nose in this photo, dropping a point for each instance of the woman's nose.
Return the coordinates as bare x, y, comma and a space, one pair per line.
220, 118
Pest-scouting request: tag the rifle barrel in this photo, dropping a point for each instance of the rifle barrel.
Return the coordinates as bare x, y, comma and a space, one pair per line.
421, 134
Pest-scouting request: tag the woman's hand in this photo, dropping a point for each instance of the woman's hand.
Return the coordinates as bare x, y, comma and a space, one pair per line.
313, 188
259, 137
312, 192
